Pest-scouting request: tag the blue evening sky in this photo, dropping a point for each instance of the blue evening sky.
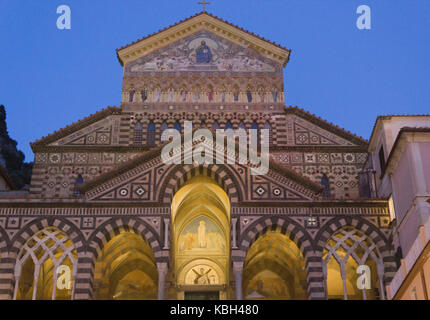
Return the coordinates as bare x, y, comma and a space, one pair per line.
50, 78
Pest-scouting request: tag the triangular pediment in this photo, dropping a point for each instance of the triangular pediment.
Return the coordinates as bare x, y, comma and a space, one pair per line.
306, 129
212, 26
93, 130
203, 51
141, 179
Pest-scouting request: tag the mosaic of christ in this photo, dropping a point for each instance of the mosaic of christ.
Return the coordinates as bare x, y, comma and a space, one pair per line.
204, 52
201, 234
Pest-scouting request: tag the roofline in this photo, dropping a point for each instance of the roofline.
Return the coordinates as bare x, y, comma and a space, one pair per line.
202, 13
388, 117
326, 125
403, 131
74, 127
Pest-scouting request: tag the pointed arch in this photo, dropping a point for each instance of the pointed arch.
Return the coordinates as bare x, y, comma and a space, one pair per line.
215, 125
178, 175
79, 181
138, 134
150, 135
115, 226
38, 263
383, 245
178, 126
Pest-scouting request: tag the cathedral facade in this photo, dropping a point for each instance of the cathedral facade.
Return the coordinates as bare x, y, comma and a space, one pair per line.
106, 218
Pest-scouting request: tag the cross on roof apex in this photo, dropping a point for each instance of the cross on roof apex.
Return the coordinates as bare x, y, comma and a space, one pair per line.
204, 3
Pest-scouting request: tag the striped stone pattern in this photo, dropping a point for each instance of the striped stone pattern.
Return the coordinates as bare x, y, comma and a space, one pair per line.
6, 268
25, 234
182, 173
293, 231
103, 234
36, 184
312, 250
128, 124
383, 245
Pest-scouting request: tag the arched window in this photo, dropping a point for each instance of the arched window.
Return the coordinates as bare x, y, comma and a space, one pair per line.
215, 126
44, 257
78, 182
228, 125
163, 127
242, 125
348, 255
203, 124
137, 139
326, 184
150, 135
131, 95
177, 126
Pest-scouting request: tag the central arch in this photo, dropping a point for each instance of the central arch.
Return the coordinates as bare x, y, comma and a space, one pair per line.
201, 239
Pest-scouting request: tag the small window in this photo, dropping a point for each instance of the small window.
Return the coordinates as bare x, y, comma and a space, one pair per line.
78, 182
215, 126
254, 126
150, 136
178, 126
228, 125
137, 134
326, 185
164, 127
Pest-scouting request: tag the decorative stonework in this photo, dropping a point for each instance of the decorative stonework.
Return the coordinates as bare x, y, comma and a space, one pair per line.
103, 176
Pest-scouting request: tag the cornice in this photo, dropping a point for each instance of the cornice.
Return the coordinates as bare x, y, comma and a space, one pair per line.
75, 126
210, 23
326, 125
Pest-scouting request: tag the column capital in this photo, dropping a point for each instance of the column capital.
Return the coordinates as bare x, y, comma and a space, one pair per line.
238, 266
162, 267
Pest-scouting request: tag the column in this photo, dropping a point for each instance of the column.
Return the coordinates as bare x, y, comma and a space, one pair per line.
83, 279
162, 271
17, 275
380, 269
238, 270
166, 233
316, 271
233, 232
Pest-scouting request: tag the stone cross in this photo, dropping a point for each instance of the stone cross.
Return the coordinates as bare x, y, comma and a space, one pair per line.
204, 3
